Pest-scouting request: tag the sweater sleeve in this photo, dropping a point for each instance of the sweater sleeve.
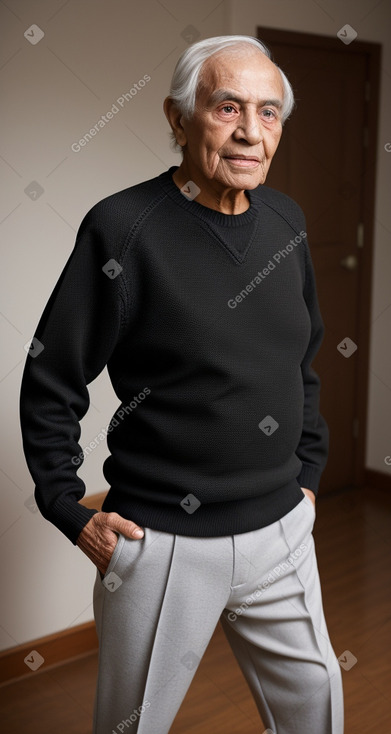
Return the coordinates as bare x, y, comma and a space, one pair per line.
75, 337
314, 443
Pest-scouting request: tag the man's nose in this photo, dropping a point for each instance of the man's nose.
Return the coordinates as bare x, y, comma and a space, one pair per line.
249, 128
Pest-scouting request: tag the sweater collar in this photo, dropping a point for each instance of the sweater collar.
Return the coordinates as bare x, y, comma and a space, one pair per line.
205, 213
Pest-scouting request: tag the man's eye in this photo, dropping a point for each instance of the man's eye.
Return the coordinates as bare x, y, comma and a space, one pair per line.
228, 108
270, 114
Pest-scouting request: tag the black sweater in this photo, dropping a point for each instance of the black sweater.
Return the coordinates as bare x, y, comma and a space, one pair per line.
208, 324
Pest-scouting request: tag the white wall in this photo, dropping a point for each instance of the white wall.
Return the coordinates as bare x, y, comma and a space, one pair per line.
53, 92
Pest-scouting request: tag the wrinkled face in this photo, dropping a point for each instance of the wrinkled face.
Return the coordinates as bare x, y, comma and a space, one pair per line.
236, 127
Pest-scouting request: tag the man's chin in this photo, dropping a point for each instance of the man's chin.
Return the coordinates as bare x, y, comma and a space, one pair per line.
253, 184
247, 182
245, 179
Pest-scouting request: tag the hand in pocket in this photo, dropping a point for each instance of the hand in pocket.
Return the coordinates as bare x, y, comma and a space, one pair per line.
100, 536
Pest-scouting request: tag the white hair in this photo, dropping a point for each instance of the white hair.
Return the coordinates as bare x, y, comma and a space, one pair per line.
186, 76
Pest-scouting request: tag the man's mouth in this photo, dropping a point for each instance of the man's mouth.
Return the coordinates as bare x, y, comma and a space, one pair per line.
243, 161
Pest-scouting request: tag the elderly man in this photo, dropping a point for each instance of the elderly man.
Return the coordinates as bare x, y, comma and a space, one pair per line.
196, 289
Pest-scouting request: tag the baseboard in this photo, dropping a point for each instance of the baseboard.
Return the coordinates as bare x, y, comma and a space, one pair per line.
54, 649
378, 479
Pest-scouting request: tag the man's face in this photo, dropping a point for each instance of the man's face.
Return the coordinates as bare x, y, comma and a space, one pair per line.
236, 127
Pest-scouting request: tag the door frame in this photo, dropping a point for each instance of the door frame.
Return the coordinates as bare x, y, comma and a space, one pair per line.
372, 52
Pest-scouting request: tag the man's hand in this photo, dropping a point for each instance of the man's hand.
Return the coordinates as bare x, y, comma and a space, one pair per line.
310, 494
98, 538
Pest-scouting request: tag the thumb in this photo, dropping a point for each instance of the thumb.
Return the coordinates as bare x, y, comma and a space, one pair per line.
125, 527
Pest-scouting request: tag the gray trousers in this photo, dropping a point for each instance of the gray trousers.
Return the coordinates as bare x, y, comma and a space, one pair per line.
161, 599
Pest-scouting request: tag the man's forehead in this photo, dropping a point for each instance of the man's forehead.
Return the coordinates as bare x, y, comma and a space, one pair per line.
242, 76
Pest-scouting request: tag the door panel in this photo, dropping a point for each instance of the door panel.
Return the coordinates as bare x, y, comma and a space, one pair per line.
320, 163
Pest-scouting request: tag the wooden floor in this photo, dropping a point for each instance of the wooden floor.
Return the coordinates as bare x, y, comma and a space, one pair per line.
353, 541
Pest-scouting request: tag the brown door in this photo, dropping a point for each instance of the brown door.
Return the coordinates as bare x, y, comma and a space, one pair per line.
324, 161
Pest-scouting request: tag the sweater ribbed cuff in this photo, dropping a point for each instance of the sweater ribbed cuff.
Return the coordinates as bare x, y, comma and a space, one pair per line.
70, 517
309, 478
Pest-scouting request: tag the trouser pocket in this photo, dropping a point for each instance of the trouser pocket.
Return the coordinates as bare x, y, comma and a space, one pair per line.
114, 557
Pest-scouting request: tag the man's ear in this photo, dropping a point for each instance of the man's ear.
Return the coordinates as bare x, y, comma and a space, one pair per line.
175, 117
